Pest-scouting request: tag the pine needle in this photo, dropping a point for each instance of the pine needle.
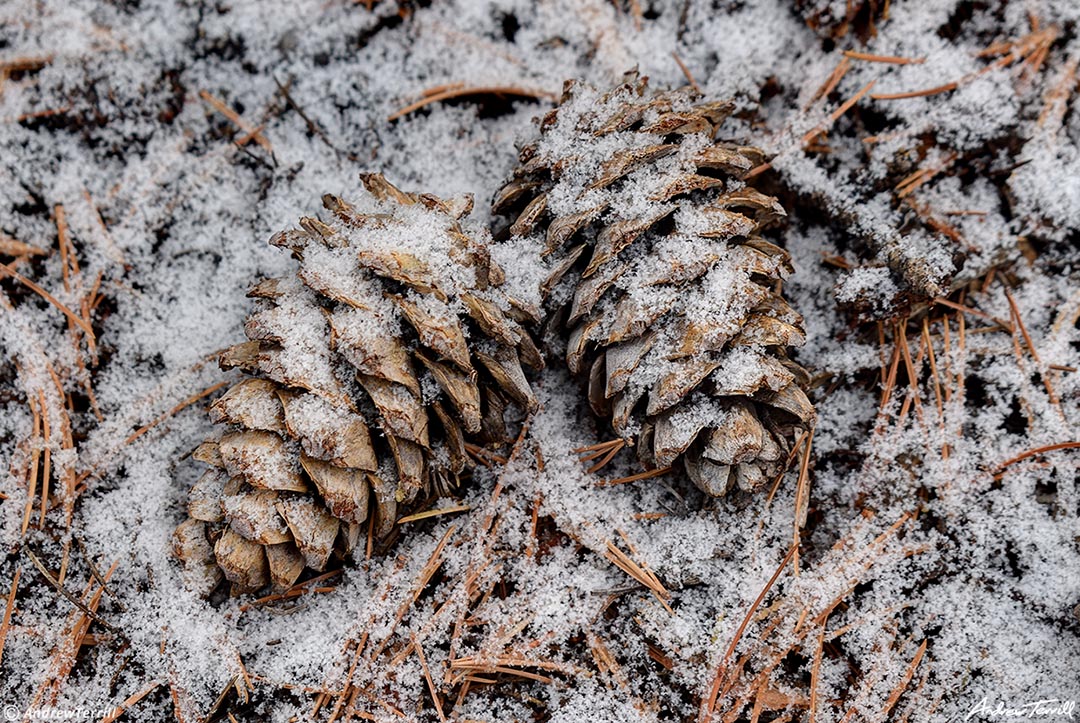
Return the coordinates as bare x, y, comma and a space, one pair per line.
459, 91
78, 320
708, 704
70, 597
433, 513
5, 624
891, 59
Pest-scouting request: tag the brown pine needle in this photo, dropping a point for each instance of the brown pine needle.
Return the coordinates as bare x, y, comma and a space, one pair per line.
1033, 452
1006, 326
604, 460
32, 481
708, 704
46, 466
598, 447
802, 498
835, 115
892, 59
172, 412
459, 91
639, 572
917, 93
131, 700
13, 247
831, 82
904, 682
815, 672
96, 574
252, 133
1030, 345
25, 63
427, 676
70, 597
433, 513
686, 72
5, 624
79, 321
634, 477
913, 379
587, 454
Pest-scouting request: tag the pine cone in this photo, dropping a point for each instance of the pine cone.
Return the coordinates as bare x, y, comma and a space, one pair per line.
369, 371
658, 281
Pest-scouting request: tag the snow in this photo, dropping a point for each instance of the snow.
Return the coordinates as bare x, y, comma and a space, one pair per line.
912, 520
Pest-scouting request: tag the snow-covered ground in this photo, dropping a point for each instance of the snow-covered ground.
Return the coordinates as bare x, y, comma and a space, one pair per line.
148, 149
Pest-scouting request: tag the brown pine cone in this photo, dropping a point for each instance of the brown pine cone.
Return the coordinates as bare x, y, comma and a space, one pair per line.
665, 294
368, 373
